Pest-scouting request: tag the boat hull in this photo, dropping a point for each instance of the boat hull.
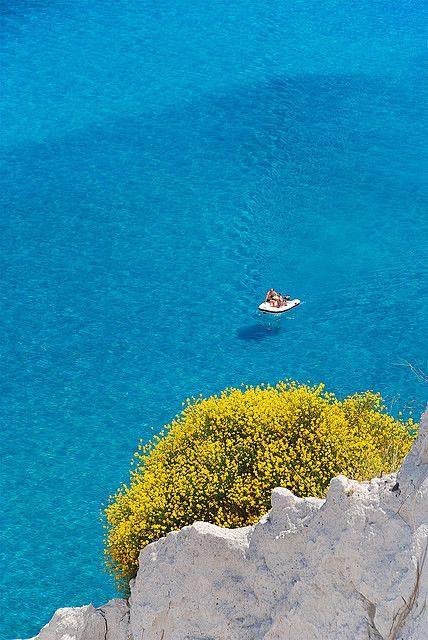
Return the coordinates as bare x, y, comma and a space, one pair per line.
265, 307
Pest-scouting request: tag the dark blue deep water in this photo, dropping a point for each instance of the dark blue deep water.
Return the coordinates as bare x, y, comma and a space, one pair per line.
163, 164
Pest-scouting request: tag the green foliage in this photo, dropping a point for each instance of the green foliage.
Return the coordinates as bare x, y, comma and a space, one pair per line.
220, 458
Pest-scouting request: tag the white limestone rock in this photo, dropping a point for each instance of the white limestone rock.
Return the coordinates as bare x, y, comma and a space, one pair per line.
74, 623
351, 567
116, 616
109, 622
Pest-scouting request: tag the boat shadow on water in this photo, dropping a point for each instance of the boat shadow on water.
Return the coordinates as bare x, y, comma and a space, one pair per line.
259, 331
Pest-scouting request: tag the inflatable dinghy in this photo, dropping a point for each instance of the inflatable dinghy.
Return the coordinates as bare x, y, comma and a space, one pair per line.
266, 307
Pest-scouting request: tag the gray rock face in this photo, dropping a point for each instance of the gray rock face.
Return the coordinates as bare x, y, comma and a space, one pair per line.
351, 567
109, 622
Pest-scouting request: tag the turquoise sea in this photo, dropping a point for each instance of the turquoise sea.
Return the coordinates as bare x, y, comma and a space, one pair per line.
163, 164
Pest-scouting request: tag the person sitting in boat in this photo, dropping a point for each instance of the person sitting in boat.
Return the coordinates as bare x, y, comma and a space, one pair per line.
271, 294
281, 301
277, 300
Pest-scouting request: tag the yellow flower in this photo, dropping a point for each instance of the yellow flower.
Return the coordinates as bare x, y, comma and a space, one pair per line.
221, 457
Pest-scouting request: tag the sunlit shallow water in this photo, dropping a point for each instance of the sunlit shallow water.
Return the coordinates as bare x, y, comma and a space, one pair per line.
163, 165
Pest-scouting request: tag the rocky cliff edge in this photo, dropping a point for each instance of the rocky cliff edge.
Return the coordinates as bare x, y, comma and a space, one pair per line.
351, 567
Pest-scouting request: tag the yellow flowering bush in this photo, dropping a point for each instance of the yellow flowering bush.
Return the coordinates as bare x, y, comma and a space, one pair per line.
220, 458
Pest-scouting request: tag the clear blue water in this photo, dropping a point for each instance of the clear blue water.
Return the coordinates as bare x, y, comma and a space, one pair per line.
163, 165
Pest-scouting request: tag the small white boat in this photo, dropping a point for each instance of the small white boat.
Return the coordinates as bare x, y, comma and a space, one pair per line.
266, 307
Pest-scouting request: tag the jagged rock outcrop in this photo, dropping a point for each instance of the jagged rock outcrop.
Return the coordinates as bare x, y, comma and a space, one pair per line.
109, 622
351, 567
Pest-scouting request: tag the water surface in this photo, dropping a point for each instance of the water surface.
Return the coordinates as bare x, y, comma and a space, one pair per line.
163, 165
